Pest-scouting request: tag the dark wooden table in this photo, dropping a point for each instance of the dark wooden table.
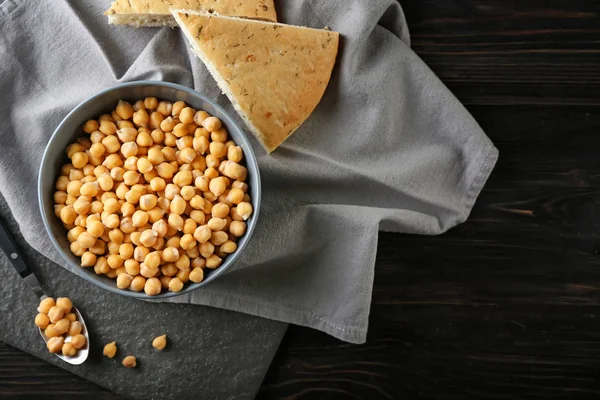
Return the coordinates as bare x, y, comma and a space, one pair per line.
507, 304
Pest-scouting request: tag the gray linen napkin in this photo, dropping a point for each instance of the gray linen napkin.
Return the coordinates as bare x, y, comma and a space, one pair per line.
388, 148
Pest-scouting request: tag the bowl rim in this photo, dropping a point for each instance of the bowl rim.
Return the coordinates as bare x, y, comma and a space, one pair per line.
251, 163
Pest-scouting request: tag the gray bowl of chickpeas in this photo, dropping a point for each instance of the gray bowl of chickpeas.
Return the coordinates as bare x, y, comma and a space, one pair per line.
149, 189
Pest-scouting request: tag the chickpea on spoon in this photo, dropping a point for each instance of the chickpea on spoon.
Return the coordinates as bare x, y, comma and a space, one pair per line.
60, 324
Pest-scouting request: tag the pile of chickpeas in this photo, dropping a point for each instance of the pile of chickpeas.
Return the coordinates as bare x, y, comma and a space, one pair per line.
59, 323
154, 194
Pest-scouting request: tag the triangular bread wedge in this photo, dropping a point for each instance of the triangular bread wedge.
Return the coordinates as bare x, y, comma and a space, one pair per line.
157, 12
274, 74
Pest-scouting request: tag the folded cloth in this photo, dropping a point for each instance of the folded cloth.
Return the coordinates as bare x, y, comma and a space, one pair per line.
388, 148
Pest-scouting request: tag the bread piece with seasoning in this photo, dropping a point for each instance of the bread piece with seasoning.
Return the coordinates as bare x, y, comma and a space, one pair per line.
274, 74
157, 12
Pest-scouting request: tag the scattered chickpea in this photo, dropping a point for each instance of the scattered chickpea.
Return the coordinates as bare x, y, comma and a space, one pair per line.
129, 362
110, 350
160, 342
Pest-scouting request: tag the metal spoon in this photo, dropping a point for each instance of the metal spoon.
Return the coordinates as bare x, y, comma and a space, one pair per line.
9, 246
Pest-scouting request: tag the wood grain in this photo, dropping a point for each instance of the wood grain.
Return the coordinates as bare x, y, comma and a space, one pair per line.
507, 304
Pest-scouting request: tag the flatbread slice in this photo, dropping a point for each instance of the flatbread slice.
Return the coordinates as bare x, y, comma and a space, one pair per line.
274, 74
157, 12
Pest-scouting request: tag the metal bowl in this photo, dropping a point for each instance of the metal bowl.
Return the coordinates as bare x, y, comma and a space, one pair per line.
105, 101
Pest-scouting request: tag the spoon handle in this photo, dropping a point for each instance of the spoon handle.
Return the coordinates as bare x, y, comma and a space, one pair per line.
9, 246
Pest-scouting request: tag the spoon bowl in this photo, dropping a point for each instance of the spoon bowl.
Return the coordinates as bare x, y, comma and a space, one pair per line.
9, 246
82, 353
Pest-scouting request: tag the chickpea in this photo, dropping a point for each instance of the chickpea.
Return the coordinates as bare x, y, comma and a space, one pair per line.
177, 107
68, 215
88, 259
202, 183
196, 275
237, 228
62, 326
178, 205
187, 241
211, 161
69, 350
91, 126
148, 201
169, 269
218, 185
167, 125
144, 140
51, 332
170, 141
200, 144
180, 130
148, 238
55, 314
110, 350
155, 214
200, 116
170, 254
71, 317
244, 210
140, 118
111, 162
86, 240
165, 170
82, 205
101, 266
198, 216
234, 170
129, 362
235, 195
138, 283
95, 228
220, 135
220, 210
42, 321
144, 165
183, 262
152, 287
55, 344
124, 281
78, 341
183, 275
74, 233
155, 119
175, 221
126, 251
96, 207
218, 149
216, 224
218, 238
139, 218
235, 154
75, 328
213, 261
111, 144
76, 249
76, 174
60, 197
62, 183
202, 234
129, 151
152, 260
183, 178
132, 267
165, 108
46, 304
112, 221
140, 253
124, 109
211, 124
206, 249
